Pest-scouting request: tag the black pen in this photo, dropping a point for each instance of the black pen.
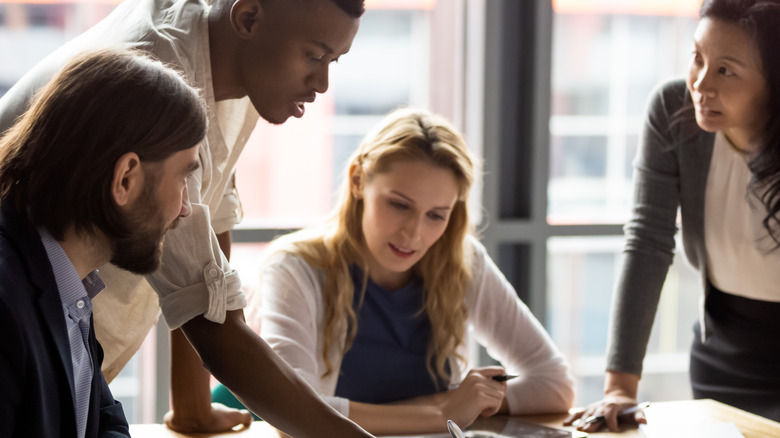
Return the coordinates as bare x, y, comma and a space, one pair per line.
503, 377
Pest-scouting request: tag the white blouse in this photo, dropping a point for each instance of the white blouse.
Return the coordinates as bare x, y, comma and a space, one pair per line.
740, 254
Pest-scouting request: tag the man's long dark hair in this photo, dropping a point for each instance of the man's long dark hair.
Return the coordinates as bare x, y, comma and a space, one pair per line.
57, 161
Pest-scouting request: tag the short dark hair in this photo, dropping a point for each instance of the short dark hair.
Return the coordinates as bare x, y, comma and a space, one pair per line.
761, 20
354, 8
57, 161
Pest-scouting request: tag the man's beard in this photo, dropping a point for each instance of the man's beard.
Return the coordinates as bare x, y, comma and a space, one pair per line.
141, 251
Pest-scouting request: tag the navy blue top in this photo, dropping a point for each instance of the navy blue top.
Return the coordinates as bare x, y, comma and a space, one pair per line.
387, 360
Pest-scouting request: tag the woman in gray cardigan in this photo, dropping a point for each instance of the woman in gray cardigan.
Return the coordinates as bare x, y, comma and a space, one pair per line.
710, 147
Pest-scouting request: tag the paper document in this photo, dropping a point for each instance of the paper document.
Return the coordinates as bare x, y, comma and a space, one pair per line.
687, 430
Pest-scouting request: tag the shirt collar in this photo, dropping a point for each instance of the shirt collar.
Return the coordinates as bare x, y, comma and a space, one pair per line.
70, 286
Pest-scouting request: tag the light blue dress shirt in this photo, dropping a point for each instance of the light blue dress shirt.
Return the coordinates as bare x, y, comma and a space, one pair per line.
76, 296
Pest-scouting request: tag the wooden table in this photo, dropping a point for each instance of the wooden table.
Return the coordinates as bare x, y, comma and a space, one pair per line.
686, 412
676, 412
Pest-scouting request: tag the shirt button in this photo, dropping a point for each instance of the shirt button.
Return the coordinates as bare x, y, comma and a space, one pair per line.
80, 304
213, 273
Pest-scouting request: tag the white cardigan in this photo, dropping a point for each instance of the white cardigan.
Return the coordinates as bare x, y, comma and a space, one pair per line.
292, 312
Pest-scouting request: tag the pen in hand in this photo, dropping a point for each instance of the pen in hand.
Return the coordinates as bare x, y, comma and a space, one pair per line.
600, 418
504, 377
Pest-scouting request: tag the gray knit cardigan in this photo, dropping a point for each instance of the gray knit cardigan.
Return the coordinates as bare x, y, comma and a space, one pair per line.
670, 172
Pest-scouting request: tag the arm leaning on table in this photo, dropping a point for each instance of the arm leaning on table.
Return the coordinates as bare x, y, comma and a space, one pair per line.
191, 408
201, 293
649, 251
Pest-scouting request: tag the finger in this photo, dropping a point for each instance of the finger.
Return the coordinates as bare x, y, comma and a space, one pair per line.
640, 418
582, 415
494, 405
235, 417
490, 410
225, 418
612, 421
243, 418
573, 415
591, 427
483, 384
591, 420
491, 371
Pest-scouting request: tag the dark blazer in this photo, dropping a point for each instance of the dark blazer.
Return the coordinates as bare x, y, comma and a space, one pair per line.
36, 372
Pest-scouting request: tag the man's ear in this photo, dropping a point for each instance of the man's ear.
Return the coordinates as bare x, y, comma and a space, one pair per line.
245, 16
128, 180
356, 180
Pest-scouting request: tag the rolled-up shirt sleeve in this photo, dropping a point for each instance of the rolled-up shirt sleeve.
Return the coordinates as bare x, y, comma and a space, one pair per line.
195, 278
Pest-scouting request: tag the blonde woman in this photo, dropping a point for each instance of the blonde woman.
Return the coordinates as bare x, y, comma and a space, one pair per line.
372, 309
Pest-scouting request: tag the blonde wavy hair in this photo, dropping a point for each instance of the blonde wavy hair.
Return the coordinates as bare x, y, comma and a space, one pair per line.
403, 135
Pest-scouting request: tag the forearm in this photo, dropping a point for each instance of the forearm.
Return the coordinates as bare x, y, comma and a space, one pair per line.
477, 395
437, 399
190, 389
262, 381
417, 416
633, 310
540, 394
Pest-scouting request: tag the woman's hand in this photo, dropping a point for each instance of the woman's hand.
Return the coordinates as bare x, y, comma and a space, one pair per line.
478, 394
619, 393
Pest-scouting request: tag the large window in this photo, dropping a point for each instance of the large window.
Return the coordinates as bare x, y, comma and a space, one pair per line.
607, 56
558, 183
